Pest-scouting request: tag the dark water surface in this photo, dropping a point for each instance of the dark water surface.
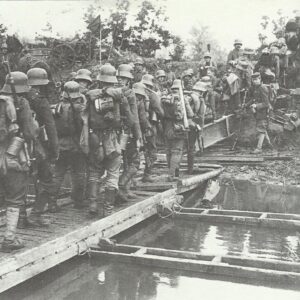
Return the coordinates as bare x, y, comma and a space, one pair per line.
84, 278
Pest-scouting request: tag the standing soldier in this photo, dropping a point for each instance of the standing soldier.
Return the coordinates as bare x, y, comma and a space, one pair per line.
131, 135
104, 116
174, 130
259, 104
155, 114
138, 69
18, 132
69, 124
46, 147
187, 80
169, 73
206, 64
162, 85
83, 77
236, 52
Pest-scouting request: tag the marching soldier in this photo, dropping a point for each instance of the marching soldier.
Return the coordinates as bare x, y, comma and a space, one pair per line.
69, 124
169, 73
195, 108
46, 148
131, 135
104, 117
18, 132
138, 70
174, 130
83, 77
162, 84
236, 52
155, 114
260, 105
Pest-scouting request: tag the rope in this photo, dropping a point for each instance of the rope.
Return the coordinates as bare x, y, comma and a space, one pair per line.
174, 209
87, 251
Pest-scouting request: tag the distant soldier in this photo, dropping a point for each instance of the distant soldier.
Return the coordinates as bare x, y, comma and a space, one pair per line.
17, 134
236, 52
195, 108
174, 130
131, 133
138, 70
188, 79
260, 105
169, 73
83, 77
46, 148
104, 115
69, 123
162, 84
206, 64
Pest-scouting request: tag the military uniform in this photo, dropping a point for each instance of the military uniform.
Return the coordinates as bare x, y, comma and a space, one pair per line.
174, 130
17, 128
131, 134
69, 123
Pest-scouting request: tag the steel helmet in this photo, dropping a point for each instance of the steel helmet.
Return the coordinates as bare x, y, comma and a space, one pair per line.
148, 79
160, 73
200, 86
188, 72
268, 73
72, 75
84, 74
37, 76
238, 42
176, 84
205, 79
107, 74
207, 54
19, 80
125, 70
71, 89
139, 61
140, 89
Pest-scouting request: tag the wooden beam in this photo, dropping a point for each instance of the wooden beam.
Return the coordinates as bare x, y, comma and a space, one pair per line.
258, 269
29, 263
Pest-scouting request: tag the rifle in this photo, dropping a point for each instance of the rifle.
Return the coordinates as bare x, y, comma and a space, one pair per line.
181, 98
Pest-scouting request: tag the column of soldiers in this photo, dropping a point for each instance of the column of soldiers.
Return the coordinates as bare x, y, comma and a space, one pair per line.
98, 130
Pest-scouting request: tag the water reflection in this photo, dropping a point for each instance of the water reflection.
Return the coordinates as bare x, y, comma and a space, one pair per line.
244, 195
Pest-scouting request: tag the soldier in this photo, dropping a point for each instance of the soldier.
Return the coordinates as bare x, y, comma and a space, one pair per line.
104, 116
174, 130
83, 77
195, 108
162, 85
260, 105
18, 131
138, 70
169, 73
236, 52
69, 124
131, 134
155, 114
211, 96
187, 80
46, 148
207, 63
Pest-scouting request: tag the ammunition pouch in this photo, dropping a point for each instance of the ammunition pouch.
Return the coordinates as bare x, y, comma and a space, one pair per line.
104, 105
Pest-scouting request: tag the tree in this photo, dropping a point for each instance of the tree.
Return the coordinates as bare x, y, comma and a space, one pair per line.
201, 38
276, 26
179, 49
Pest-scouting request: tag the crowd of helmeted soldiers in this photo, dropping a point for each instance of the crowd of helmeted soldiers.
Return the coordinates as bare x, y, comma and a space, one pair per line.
99, 128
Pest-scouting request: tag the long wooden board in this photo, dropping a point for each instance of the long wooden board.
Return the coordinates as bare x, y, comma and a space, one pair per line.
262, 219
259, 269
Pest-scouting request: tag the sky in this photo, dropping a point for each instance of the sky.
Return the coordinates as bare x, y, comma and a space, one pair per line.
227, 19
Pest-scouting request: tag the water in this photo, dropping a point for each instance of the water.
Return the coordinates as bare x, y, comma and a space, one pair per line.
82, 278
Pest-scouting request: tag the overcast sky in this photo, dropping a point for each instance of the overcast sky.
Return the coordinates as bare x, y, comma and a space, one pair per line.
227, 19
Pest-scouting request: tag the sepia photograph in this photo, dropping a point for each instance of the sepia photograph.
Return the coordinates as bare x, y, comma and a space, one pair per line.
149, 150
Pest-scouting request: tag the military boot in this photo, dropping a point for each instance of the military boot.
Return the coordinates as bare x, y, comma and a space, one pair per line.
130, 194
174, 165
110, 199
52, 205
93, 196
190, 162
22, 222
36, 219
11, 242
122, 192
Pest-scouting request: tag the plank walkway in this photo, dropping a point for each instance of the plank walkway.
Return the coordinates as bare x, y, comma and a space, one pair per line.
71, 231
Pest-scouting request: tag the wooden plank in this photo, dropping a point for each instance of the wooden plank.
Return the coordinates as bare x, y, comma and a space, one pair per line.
47, 255
259, 269
241, 220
